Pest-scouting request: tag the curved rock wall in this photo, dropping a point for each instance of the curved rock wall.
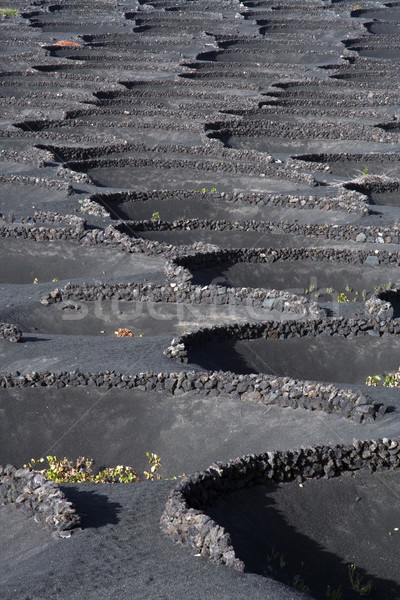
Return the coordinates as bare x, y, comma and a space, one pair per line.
40, 498
185, 518
257, 388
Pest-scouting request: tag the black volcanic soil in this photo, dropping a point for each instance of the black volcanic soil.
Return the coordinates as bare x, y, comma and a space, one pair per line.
313, 532
103, 318
27, 261
327, 279
187, 432
336, 359
121, 553
174, 104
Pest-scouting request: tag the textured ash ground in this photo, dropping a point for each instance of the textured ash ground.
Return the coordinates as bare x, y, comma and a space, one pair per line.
121, 552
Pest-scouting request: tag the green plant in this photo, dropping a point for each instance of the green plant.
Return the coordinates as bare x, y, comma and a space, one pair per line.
342, 298
329, 290
383, 286
155, 464
365, 171
118, 474
348, 288
275, 559
390, 380
9, 12
298, 584
311, 289
155, 216
373, 380
357, 584
333, 594
66, 471
205, 190
364, 294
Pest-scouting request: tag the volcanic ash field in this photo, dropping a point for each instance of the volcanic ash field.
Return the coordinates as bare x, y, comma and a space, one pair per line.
200, 280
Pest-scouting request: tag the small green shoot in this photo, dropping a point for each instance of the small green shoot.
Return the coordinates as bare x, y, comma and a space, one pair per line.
332, 594
205, 190
155, 216
357, 582
155, 464
310, 289
9, 12
342, 298
275, 559
390, 380
298, 584
373, 380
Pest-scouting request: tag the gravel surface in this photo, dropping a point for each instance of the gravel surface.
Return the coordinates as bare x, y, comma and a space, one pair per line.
130, 132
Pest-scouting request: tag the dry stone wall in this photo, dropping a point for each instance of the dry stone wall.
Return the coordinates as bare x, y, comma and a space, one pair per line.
39, 498
185, 517
257, 388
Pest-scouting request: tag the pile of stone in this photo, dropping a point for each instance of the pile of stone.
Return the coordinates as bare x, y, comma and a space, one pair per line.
43, 234
380, 305
39, 497
10, 332
44, 216
39, 181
